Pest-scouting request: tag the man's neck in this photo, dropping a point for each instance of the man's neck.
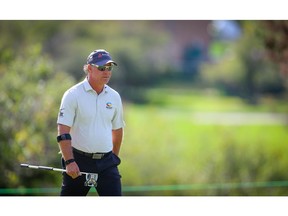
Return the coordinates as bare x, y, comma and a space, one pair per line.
96, 87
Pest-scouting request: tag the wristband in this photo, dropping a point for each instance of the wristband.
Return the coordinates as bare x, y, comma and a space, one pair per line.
63, 137
69, 161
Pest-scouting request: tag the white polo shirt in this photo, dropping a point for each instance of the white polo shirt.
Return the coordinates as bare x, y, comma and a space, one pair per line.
92, 117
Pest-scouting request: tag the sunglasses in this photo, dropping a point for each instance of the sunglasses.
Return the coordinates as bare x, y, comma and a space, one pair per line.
103, 68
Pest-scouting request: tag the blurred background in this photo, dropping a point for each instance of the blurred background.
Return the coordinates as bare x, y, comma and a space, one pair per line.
205, 103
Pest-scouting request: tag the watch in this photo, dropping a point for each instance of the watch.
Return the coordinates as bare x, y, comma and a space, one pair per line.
69, 161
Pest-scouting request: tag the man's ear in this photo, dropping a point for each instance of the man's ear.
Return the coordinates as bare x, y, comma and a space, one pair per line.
89, 68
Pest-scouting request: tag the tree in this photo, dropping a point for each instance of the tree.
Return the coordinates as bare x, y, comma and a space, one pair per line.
243, 67
274, 34
30, 94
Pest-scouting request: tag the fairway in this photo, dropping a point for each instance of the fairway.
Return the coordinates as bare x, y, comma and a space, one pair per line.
172, 145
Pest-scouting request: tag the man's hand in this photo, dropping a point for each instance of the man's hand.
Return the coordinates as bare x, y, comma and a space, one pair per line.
72, 170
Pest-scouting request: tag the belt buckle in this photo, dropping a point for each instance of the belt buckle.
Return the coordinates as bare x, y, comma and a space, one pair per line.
96, 156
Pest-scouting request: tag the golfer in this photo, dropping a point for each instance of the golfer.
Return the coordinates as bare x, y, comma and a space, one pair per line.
90, 130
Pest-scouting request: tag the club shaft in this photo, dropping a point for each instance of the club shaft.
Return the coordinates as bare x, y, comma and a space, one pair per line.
47, 168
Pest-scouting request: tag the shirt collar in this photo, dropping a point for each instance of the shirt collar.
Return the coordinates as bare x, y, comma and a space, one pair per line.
88, 87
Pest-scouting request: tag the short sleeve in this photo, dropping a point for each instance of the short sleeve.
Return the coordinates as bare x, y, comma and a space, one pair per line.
67, 110
118, 120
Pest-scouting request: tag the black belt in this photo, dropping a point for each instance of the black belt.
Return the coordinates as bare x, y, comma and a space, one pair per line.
92, 155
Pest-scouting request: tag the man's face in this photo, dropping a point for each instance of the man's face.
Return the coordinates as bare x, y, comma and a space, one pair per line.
100, 74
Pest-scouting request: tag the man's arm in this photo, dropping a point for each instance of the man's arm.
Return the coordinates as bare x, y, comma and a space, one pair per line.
65, 145
72, 169
117, 136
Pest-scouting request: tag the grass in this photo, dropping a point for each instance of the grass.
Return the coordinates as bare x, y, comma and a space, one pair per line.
211, 100
163, 146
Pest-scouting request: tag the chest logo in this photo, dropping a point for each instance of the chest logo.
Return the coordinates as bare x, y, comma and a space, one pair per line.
109, 105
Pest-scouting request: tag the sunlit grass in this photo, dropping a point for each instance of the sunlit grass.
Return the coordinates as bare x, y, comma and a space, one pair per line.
210, 100
164, 146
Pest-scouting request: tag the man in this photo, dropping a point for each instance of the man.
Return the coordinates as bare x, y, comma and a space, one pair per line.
90, 130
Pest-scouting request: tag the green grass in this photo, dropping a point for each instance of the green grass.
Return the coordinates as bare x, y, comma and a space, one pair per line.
211, 100
163, 146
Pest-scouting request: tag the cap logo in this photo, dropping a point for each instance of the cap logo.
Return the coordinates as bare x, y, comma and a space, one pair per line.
99, 57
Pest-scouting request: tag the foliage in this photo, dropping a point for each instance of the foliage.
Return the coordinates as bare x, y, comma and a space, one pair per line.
128, 41
273, 33
29, 101
142, 49
244, 69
